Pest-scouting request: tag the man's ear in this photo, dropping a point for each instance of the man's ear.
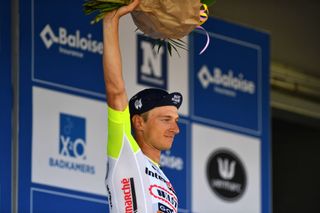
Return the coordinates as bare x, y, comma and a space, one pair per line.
138, 122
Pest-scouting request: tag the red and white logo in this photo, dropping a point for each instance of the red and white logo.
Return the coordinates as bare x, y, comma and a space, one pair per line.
129, 195
164, 195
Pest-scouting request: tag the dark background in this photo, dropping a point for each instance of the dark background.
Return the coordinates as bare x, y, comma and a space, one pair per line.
296, 163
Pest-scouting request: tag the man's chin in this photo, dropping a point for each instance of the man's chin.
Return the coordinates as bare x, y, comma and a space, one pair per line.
167, 146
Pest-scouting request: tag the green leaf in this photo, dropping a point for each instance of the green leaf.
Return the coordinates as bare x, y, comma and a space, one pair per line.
100, 7
169, 49
208, 2
159, 46
169, 44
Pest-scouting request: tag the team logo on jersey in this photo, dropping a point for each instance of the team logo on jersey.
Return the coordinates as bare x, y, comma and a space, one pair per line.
164, 195
164, 209
159, 177
129, 195
169, 185
155, 175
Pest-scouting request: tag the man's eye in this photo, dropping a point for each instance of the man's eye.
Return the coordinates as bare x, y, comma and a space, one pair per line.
166, 119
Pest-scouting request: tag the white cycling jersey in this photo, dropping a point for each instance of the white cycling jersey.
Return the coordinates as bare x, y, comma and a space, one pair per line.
134, 183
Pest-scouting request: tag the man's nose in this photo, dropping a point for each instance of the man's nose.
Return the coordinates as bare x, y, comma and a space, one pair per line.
175, 128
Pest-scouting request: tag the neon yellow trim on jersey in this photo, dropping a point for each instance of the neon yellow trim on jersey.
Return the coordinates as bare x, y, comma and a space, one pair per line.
155, 163
119, 128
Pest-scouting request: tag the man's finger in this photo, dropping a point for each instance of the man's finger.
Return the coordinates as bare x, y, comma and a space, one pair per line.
129, 8
133, 5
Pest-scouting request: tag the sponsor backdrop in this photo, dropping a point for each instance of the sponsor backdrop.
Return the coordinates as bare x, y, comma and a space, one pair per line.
229, 109
220, 159
5, 106
62, 108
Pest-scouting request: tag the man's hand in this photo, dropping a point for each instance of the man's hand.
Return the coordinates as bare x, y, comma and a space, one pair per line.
116, 14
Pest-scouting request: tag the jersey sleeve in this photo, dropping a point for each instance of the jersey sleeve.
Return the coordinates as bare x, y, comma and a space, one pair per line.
119, 127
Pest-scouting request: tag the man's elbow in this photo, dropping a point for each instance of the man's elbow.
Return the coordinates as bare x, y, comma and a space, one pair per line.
117, 98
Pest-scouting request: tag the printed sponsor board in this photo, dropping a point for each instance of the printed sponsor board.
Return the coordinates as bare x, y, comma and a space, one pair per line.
66, 51
152, 64
229, 75
144, 67
175, 164
226, 171
67, 146
230, 90
64, 54
43, 200
226, 175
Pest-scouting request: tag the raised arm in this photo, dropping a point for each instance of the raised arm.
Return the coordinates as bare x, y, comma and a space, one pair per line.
112, 67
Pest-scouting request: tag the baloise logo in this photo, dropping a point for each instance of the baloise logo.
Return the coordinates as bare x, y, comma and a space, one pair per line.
225, 83
226, 175
152, 64
170, 161
73, 44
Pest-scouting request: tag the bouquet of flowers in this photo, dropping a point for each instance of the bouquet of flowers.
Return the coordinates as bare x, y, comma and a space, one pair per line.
166, 21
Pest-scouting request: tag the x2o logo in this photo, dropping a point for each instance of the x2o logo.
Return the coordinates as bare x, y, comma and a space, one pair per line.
72, 146
72, 136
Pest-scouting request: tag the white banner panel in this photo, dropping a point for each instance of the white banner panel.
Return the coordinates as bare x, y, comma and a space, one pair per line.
225, 171
69, 141
144, 67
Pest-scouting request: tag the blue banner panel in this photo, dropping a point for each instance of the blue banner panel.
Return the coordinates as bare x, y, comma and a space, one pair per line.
176, 165
52, 201
229, 87
62, 109
229, 75
66, 48
5, 106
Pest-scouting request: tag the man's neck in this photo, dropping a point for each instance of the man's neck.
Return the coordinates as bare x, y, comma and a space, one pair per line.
151, 152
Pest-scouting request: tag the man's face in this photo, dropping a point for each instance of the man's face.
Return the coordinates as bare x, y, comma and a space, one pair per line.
161, 127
